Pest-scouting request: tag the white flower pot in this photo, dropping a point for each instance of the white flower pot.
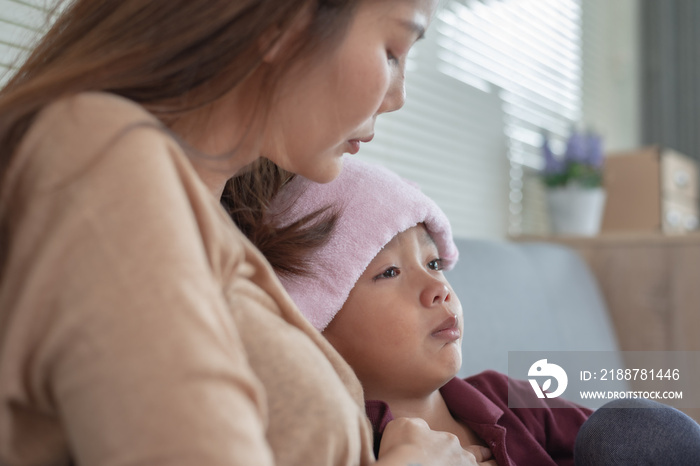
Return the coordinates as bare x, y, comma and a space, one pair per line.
575, 210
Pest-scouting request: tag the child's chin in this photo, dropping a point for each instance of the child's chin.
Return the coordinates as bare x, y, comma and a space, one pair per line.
453, 366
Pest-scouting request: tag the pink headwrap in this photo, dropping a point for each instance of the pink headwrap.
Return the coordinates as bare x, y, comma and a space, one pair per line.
375, 205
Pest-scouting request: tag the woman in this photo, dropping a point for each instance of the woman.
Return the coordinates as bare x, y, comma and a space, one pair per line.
137, 324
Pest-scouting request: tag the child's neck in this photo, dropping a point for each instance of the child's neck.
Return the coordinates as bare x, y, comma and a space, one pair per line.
433, 410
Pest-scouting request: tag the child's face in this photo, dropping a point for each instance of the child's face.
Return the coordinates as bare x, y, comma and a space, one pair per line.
401, 327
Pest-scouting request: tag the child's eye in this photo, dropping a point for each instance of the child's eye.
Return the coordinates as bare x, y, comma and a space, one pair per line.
391, 272
436, 264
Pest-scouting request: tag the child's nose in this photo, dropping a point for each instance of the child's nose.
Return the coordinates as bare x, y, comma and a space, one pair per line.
434, 293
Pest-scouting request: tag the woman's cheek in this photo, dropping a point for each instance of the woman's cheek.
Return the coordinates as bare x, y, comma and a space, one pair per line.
374, 83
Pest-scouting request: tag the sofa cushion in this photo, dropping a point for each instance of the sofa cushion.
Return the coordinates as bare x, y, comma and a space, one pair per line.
526, 297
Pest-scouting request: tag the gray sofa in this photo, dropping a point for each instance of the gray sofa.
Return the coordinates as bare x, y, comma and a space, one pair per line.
527, 297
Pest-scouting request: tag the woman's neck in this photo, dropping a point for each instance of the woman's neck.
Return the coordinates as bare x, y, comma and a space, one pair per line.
222, 133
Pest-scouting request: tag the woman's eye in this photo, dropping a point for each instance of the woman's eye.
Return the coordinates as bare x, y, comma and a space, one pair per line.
391, 272
435, 264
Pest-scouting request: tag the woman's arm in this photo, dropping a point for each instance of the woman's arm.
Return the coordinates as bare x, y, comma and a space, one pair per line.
120, 331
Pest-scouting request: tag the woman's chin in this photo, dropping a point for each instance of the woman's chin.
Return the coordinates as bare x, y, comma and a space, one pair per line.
324, 172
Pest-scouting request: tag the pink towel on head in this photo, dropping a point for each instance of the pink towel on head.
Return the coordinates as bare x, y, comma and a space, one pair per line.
375, 205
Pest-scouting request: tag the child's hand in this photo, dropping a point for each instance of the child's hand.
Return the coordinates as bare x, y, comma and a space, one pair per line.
410, 440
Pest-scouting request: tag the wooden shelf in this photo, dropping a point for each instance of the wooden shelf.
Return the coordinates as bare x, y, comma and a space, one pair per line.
651, 285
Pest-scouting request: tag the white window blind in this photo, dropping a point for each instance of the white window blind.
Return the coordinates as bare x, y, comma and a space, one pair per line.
21, 24
491, 75
449, 139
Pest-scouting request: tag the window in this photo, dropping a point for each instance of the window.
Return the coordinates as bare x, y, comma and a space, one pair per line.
489, 78
21, 23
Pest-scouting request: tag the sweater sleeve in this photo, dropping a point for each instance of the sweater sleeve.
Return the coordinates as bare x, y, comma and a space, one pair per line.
119, 325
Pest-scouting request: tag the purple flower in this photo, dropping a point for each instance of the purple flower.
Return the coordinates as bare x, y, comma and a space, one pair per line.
595, 150
582, 163
585, 148
552, 164
576, 148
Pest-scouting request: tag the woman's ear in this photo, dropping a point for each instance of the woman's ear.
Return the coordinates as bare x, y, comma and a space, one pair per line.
276, 43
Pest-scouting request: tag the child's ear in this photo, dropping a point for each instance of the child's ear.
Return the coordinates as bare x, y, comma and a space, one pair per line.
276, 43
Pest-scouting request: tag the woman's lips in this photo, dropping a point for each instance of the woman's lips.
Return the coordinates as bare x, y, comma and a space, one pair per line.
355, 143
354, 146
448, 329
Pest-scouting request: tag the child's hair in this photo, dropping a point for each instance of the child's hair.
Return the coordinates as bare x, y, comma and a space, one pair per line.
171, 56
287, 248
372, 205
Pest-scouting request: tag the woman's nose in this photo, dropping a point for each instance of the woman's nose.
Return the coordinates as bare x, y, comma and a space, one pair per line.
434, 293
395, 96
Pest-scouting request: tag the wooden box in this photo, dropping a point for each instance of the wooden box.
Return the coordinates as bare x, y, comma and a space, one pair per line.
650, 189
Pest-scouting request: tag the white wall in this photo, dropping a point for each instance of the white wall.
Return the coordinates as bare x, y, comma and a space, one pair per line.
614, 72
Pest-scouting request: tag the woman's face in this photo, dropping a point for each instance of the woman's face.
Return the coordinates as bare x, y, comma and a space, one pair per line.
401, 327
330, 108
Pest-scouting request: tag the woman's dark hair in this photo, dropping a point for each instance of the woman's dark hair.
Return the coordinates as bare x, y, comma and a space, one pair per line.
170, 56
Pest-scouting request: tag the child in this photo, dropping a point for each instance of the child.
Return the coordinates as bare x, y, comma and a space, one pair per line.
377, 292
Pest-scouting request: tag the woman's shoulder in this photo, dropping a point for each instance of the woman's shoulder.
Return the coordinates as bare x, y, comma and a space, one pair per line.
86, 120
100, 111
74, 132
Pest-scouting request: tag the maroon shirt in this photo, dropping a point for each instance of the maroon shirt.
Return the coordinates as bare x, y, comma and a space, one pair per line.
516, 436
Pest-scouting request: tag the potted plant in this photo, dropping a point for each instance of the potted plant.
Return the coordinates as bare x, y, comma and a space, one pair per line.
574, 183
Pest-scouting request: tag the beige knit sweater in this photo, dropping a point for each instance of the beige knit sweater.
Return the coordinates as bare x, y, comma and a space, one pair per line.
139, 327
